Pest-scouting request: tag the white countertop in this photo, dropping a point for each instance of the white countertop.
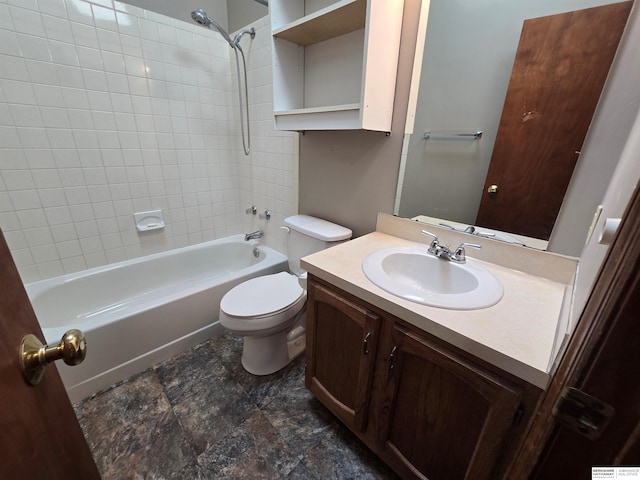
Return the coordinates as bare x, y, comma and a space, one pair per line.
517, 334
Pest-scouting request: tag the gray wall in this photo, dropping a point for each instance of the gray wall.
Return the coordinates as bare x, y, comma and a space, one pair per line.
217, 9
241, 13
349, 176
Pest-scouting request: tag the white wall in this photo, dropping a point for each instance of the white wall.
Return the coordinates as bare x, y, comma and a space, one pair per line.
107, 110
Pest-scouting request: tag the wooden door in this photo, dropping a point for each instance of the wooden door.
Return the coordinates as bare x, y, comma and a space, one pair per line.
341, 347
39, 434
559, 71
447, 418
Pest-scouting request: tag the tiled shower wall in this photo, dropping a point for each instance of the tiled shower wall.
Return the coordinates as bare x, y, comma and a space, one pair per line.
107, 110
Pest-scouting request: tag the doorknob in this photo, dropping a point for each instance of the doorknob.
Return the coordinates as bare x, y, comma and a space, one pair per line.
492, 190
34, 356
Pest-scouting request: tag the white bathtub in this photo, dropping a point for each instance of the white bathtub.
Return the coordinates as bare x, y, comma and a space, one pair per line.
139, 312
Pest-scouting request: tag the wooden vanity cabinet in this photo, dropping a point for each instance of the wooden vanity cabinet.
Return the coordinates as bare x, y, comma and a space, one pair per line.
341, 347
427, 409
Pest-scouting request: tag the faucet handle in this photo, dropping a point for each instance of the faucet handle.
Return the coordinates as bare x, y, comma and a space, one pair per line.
252, 210
429, 234
459, 255
265, 216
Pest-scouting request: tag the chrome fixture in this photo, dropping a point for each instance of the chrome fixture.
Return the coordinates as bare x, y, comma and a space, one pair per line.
265, 216
444, 251
474, 231
201, 17
253, 235
252, 210
452, 136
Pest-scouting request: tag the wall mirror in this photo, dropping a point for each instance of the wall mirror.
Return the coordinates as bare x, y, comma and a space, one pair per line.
230, 14
467, 63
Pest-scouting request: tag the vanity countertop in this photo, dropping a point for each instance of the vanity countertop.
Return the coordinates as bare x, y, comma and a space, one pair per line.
517, 334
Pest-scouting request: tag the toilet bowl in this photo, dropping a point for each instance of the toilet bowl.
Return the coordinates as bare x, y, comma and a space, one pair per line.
269, 311
265, 310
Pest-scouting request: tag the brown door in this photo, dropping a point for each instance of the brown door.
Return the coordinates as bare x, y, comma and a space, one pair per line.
560, 68
39, 434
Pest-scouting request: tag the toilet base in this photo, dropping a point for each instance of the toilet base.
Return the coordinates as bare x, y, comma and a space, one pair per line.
267, 355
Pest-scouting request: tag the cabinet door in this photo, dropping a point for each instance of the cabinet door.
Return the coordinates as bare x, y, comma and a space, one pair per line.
443, 417
341, 347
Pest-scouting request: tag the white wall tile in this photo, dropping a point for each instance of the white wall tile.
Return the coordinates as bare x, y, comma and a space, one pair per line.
114, 113
53, 7
57, 28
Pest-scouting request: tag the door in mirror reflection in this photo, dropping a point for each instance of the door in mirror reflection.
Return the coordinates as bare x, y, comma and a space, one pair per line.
559, 71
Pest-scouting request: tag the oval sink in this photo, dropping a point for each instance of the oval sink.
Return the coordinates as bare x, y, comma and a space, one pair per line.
413, 274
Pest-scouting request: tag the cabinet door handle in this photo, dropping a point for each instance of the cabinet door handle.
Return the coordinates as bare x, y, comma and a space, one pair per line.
392, 357
365, 343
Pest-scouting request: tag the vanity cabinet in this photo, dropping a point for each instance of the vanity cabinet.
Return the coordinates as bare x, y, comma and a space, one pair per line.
427, 409
340, 358
334, 63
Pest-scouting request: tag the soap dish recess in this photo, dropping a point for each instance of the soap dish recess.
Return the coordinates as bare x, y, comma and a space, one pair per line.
151, 220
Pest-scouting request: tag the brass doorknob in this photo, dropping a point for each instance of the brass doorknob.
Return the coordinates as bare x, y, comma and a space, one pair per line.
492, 190
34, 356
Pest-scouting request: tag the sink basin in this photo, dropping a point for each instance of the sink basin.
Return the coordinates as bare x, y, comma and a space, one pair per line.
413, 274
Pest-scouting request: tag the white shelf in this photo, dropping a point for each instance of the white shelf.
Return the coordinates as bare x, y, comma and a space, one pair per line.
327, 108
342, 17
335, 68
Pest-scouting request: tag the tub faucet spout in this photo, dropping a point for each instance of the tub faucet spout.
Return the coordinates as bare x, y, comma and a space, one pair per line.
253, 235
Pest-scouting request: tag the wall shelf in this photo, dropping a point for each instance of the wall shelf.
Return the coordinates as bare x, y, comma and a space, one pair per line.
335, 67
342, 17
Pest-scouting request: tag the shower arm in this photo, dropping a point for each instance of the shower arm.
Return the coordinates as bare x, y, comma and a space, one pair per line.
239, 35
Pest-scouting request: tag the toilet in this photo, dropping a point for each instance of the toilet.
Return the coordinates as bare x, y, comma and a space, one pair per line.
268, 311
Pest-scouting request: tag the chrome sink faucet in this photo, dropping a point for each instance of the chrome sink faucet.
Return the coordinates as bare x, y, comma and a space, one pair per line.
444, 251
253, 235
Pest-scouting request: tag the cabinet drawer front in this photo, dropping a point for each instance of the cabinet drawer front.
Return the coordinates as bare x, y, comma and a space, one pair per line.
342, 341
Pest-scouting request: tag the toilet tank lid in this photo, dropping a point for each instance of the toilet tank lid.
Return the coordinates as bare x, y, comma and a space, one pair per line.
317, 228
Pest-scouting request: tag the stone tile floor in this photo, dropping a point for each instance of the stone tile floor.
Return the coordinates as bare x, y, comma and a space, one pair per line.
200, 415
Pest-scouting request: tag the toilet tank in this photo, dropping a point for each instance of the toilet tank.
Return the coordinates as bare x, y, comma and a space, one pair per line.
308, 235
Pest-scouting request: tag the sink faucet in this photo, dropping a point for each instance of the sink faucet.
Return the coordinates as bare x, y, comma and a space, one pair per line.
444, 251
253, 235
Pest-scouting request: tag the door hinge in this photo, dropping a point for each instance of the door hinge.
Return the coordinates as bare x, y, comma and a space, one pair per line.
582, 413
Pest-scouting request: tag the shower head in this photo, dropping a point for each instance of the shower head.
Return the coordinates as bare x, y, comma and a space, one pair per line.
201, 17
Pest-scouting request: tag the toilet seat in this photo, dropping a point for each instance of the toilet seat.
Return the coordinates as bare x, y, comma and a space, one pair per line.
262, 303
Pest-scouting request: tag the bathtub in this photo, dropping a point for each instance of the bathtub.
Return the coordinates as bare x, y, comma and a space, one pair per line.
139, 312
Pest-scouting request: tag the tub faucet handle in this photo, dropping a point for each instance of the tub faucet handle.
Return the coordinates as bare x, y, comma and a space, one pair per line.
252, 210
265, 216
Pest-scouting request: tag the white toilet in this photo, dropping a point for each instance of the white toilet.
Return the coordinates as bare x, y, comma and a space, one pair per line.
268, 312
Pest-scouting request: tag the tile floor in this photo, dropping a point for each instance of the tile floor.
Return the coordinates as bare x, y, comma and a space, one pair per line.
200, 415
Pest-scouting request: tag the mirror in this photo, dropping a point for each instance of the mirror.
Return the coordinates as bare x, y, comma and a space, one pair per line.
469, 51
231, 14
